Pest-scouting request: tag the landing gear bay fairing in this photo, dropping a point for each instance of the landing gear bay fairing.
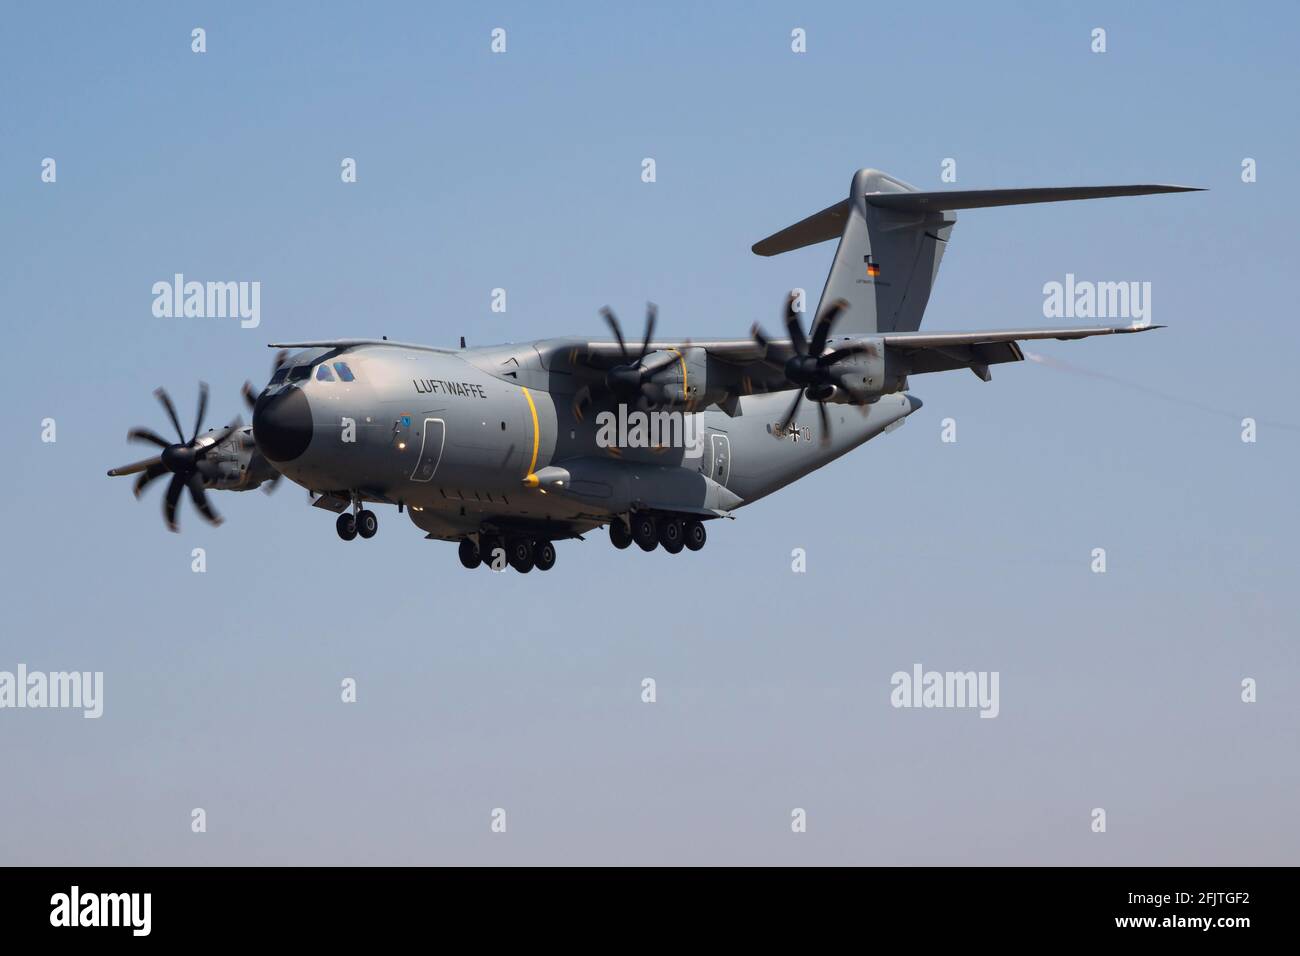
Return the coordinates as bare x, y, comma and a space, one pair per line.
507, 449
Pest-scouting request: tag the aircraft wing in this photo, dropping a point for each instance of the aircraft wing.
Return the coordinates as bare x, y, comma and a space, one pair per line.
750, 369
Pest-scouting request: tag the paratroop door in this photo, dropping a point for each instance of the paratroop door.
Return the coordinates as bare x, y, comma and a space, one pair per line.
434, 435
720, 445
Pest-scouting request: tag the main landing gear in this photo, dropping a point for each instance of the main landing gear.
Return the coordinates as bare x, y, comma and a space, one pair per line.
363, 522
651, 531
521, 553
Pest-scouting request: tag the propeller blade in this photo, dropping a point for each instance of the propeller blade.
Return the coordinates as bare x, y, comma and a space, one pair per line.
147, 435
826, 422
203, 410
169, 503
135, 466
821, 330
276, 362
797, 338
785, 424
760, 337
581, 399
250, 397
162, 396
669, 359
148, 475
269, 485
612, 322
220, 436
200, 500
830, 358
651, 315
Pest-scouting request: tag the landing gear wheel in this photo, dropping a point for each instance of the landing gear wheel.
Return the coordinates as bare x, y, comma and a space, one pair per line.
488, 547
469, 555
544, 556
367, 523
346, 526
519, 552
644, 532
619, 534
670, 535
695, 534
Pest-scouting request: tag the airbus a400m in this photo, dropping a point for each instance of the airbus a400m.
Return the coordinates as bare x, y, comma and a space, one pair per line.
507, 449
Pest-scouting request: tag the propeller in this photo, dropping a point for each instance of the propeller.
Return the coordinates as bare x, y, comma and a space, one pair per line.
250, 396
181, 458
811, 367
250, 399
627, 379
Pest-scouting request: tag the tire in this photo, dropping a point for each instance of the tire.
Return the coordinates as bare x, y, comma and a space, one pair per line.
487, 549
619, 534
695, 535
644, 533
346, 526
543, 556
469, 556
519, 552
671, 535
367, 523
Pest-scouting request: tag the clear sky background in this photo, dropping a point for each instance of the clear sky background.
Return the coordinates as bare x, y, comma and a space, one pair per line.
480, 690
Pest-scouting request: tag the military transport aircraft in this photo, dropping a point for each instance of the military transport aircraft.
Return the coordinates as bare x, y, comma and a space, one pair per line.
509, 448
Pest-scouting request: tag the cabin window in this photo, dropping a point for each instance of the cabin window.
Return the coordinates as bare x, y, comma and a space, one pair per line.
345, 373
323, 374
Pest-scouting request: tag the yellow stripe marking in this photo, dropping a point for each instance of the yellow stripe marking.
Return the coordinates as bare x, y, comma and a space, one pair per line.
686, 390
537, 433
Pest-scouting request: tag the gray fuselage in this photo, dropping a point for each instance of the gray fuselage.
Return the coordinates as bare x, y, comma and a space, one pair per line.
460, 439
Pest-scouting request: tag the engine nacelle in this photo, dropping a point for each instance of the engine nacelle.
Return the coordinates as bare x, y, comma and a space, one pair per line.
235, 464
866, 376
683, 384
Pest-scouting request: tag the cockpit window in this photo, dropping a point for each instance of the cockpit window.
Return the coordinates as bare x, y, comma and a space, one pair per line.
345, 373
323, 374
299, 372
279, 375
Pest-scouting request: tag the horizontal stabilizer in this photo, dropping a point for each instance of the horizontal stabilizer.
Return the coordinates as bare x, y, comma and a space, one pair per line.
819, 227
829, 223
983, 198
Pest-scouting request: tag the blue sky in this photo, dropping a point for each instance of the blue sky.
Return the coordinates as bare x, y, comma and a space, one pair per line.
522, 171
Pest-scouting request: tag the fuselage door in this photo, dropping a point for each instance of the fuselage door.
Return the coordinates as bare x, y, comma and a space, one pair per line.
433, 437
720, 445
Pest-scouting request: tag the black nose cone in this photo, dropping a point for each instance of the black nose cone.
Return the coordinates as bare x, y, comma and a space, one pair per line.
282, 424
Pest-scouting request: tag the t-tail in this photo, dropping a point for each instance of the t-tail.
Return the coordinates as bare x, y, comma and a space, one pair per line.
892, 237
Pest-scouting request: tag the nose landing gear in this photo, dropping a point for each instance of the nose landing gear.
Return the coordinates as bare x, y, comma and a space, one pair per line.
360, 522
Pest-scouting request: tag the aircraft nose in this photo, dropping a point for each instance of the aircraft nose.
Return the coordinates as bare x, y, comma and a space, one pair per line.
282, 424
